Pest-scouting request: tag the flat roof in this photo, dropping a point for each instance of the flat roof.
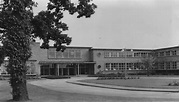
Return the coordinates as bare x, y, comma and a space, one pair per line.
122, 49
80, 47
55, 62
166, 48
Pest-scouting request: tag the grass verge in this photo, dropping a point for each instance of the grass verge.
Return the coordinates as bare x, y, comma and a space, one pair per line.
146, 82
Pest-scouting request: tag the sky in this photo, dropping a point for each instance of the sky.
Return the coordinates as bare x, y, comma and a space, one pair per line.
147, 24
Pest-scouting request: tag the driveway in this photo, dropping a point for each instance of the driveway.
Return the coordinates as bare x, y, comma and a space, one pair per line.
62, 86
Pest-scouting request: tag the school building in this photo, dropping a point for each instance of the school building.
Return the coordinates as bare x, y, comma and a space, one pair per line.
89, 61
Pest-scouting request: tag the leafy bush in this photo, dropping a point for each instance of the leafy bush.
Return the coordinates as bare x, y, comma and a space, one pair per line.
114, 76
56, 77
174, 83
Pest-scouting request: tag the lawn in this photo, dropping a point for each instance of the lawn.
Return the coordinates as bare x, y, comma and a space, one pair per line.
39, 94
144, 82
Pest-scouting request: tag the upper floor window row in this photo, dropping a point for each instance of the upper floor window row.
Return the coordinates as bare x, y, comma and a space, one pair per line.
117, 54
142, 54
52, 53
166, 53
126, 54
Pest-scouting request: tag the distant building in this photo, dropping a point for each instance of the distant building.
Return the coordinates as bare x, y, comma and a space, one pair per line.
167, 60
88, 61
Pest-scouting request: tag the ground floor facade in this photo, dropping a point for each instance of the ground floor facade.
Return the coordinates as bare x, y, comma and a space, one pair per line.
166, 68
68, 68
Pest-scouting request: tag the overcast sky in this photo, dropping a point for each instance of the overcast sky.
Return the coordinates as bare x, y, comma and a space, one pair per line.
125, 23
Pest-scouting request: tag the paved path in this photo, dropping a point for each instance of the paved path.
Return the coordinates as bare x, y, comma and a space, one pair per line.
62, 86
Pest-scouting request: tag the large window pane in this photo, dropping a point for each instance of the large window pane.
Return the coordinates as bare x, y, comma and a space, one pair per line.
51, 53
59, 54
65, 54
71, 53
78, 53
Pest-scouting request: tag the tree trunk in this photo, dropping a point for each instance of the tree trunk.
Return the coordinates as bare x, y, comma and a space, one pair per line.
19, 90
18, 83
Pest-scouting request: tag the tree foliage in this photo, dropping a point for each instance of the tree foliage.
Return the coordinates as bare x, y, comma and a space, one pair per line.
48, 25
19, 27
149, 62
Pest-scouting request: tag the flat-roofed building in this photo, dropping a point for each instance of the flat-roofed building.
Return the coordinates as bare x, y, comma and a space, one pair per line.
167, 60
73, 61
88, 60
119, 60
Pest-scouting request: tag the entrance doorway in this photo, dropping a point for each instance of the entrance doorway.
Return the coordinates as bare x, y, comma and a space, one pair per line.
47, 70
67, 69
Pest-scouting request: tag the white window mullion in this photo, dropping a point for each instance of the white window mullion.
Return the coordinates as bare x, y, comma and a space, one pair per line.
109, 66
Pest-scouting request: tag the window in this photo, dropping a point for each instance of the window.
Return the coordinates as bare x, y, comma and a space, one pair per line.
174, 53
78, 53
121, 66
107, 54
44, 70
161, 53
174, 65
68, 54
167, 53
108, 67
167, 65
150, 54
113, 54
136, 66
112, 66
129, 66
51, 53
161, 65
71, 53
136, 54
143, 54
156, 54
156, 65
129, 54
59, 54
65, 54
115, 66
120, 54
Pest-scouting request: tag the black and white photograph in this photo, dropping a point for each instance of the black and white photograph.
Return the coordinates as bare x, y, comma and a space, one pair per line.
89, 50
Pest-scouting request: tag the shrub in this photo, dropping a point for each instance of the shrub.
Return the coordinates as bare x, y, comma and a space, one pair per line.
174, 83
57, 77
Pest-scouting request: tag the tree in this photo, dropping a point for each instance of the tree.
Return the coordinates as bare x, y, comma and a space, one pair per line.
149, 62
19, 27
